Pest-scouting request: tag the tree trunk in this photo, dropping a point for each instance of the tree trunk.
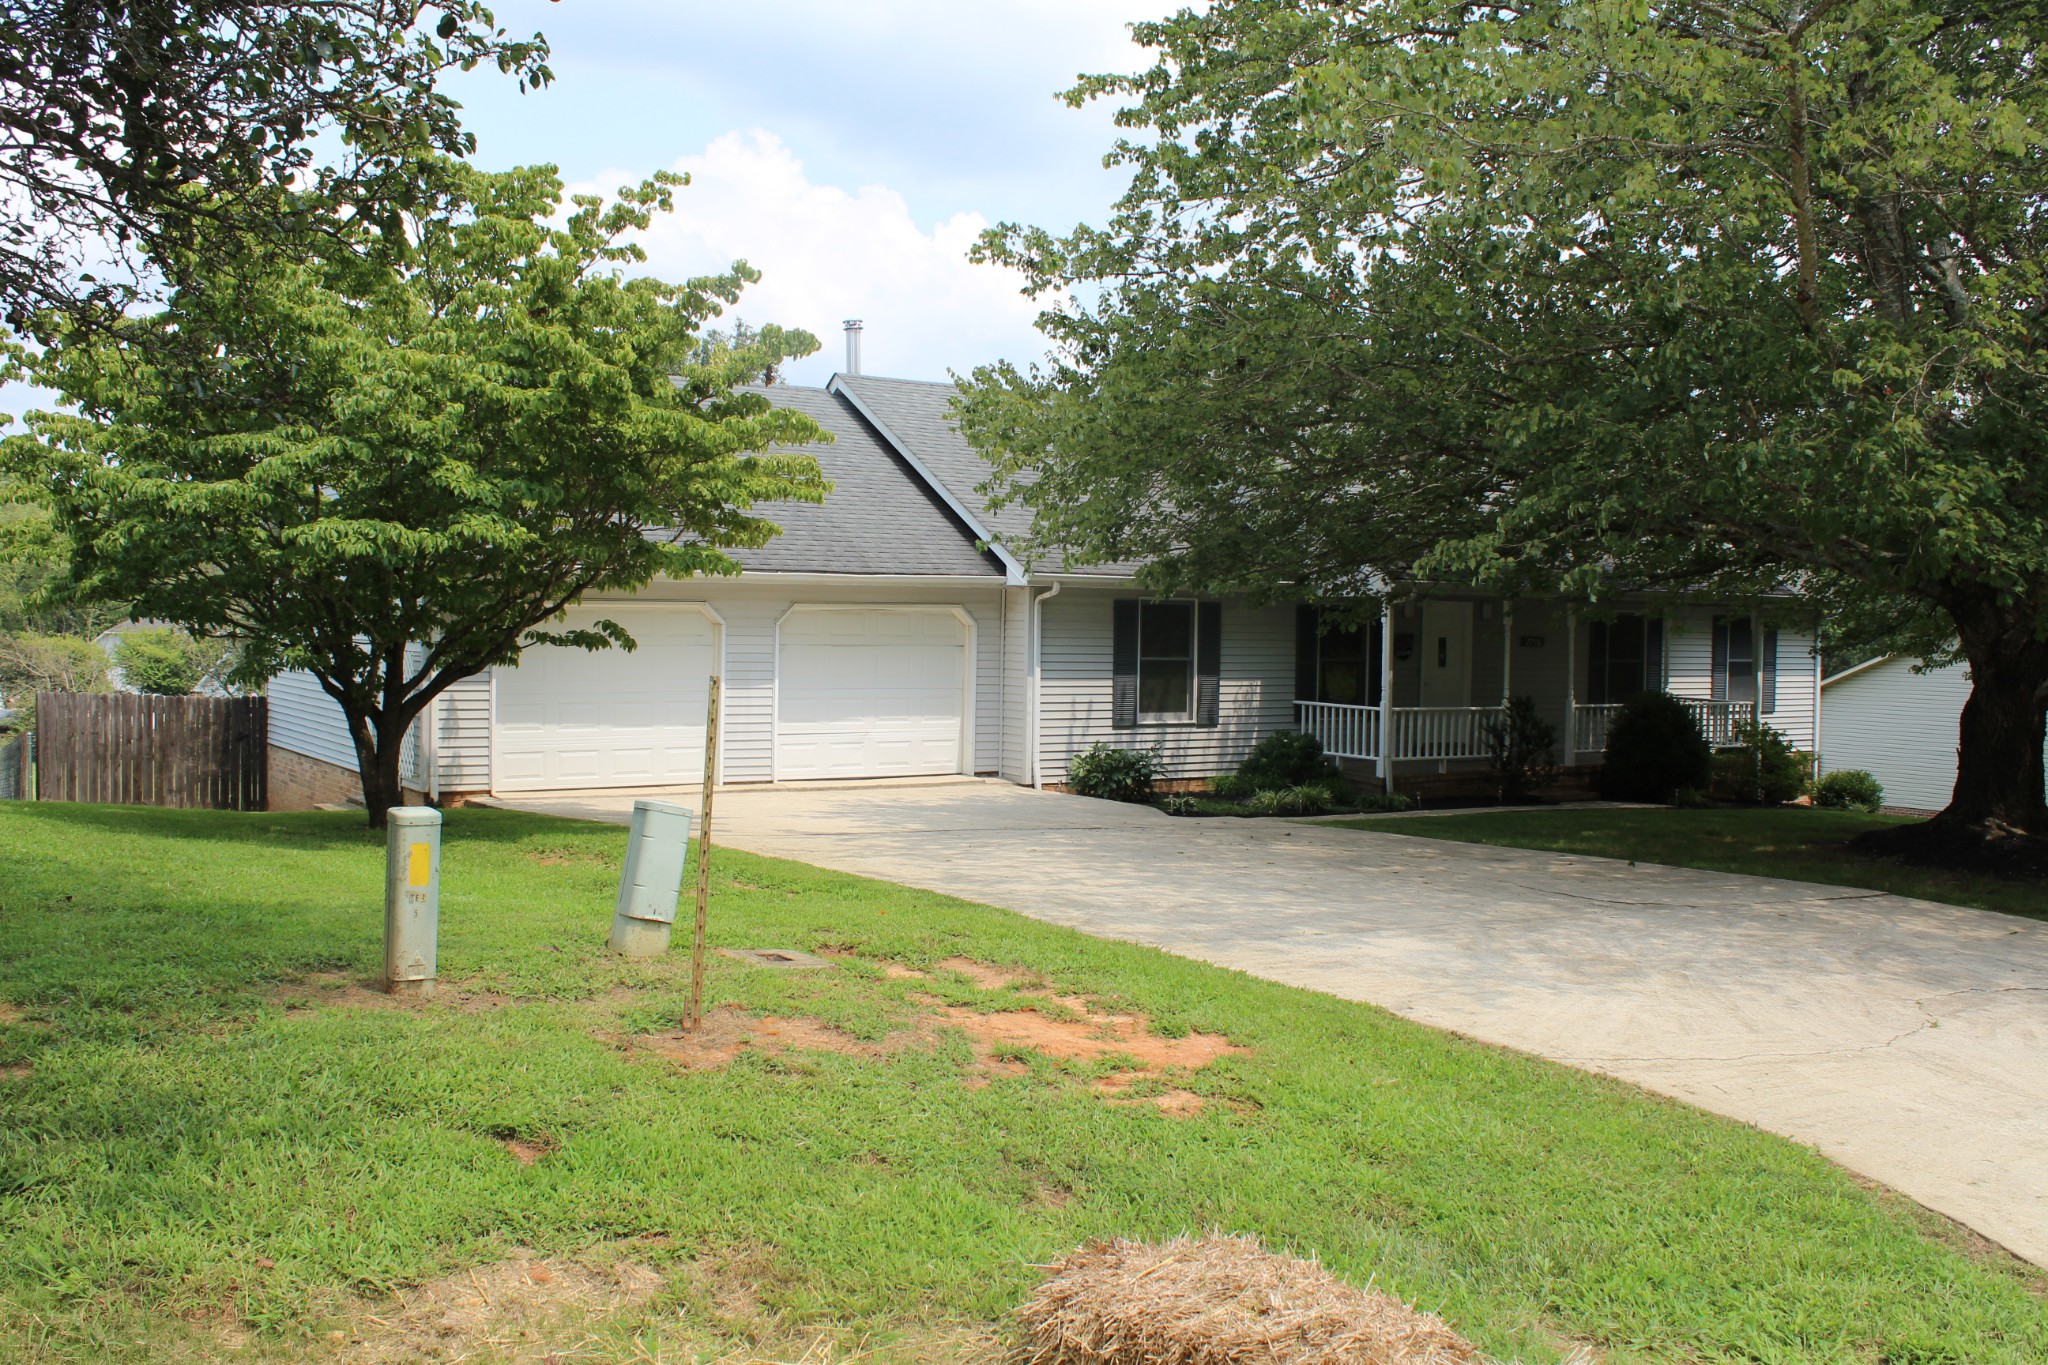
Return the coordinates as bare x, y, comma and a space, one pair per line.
1998, 754
377, 766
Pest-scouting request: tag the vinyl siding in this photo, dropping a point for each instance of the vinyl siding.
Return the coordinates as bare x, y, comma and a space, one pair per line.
1899, 726
750, 608
307, 721
1256, 696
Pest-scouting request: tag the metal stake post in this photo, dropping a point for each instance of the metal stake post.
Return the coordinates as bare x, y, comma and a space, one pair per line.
412, 899
704, 857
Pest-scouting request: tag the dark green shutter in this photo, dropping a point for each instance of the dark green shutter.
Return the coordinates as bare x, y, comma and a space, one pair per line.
1307, 631
1767, 690
1208, 664
1123, 665
1720, 692
1653, 654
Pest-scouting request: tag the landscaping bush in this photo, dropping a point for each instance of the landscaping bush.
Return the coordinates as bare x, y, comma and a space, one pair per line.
1289, 758
1849, 789
1230, 787
1113, 774
1654, 750
1522, 747
1180, 804
169, 663
1306, 799
1383, 803
1761, 769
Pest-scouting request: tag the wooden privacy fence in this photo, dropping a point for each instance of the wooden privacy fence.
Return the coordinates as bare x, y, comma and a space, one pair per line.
131, 750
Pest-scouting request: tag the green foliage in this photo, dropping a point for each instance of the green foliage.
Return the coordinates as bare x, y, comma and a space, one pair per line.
170, 662
37, 593
1521, 750
1289, 758
1691, 798
1848, 789
1384, 802
1654, 750
433, 441
32, 663
1307, 799
183, 122
1472, 295
1180, 803
1760, 767
1113, 774
1231, 787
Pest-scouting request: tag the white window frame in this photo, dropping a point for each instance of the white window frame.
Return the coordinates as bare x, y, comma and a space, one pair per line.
1187, 715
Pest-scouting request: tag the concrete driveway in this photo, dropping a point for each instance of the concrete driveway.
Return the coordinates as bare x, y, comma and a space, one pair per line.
1904, 1039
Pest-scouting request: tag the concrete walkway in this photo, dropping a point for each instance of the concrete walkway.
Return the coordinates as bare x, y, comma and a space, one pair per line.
1904, 1039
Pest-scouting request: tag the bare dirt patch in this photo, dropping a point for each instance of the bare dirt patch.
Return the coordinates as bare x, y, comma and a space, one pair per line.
1123, 1088
9, 1014
991, 978
1125, 1039
1221, 1301
525, 1309
341, 990
727, 1032
527, 1149
16, 1071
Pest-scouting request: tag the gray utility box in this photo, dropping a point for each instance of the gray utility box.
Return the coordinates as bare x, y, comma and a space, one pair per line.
657, 848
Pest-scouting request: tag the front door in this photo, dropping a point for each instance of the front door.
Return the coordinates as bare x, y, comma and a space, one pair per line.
1446, 653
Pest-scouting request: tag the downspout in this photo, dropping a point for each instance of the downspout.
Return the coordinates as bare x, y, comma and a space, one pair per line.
1037, 628
1387, 693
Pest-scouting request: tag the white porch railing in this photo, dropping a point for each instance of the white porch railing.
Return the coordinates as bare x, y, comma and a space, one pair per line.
1443, 732
1718, 721
1346, 731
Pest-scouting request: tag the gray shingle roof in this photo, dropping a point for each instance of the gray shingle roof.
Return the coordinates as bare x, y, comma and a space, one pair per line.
879, 517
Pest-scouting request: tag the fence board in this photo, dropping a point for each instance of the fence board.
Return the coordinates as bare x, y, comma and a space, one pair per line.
126, 749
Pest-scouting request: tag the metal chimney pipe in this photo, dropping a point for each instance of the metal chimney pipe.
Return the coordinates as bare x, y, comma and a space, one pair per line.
853, 345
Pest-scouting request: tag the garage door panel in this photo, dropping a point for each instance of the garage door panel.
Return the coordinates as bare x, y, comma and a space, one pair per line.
870, 693
609, 718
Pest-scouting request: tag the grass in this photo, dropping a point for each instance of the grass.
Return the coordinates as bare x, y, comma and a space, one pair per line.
1794, 842
193, 1169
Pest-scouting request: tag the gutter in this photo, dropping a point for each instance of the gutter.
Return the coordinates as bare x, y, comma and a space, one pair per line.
1852, 672
1037, 657
1014, 574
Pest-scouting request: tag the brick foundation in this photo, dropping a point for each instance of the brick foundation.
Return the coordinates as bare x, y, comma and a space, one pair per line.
299, 782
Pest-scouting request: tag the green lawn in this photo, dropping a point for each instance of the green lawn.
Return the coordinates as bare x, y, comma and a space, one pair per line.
200, 1161
1795, 842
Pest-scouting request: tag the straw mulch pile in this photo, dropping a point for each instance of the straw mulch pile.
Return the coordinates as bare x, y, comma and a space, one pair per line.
1220, 1301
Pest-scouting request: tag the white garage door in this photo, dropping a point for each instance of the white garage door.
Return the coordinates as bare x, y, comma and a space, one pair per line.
607, 718
869, 694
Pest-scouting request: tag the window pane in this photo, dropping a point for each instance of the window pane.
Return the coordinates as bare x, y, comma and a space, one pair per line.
1741, 680
1166, 630
1343, 682
1163, 687
1741, 643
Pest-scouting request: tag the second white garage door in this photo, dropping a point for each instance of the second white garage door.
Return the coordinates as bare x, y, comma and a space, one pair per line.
608, 718
870, 693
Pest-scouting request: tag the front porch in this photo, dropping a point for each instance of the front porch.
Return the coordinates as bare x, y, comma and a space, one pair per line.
1443, 734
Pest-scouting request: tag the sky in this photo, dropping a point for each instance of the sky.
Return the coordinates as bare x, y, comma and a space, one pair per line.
851, 152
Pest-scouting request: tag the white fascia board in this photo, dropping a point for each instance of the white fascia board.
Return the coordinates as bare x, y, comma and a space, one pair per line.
1834, 678
1014, 573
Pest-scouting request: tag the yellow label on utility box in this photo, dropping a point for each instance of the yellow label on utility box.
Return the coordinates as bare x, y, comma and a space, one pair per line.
420, 869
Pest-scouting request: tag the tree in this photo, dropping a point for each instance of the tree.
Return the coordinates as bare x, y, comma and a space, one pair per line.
395, 461
32, 663
37, 594
159, 128
1569, 297
170, 663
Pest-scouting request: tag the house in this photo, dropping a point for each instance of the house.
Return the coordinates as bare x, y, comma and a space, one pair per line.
891, 632
1899, 725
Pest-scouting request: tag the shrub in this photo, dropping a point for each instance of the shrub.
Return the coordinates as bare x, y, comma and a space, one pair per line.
1691, 798
1522, 747
1654, 749
1849, 789
1384, 802
169, 663
1307, 799
1113, 774
1230, 787
31, 663
1180, 804
1761, 768
1289, 758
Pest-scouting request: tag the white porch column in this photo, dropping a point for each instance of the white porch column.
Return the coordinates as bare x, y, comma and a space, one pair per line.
1507, 654
1387, 693
1571, 684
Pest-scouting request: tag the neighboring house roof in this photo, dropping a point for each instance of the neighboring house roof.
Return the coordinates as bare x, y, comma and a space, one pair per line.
881, 517
1852, 672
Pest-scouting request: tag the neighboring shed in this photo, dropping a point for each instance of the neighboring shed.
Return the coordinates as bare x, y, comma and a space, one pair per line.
1897, 724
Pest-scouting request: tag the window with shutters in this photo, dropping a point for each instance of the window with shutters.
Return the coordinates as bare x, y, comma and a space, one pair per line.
1626, 657
1740, 663
1166, 661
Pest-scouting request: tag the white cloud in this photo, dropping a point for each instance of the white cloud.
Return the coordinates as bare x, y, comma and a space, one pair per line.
827, 253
